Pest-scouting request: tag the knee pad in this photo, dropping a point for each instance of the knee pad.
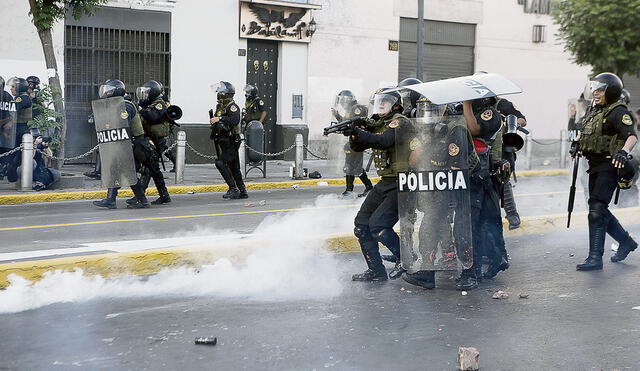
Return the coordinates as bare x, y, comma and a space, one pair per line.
387, 237
598, 212
362, 233
219, 164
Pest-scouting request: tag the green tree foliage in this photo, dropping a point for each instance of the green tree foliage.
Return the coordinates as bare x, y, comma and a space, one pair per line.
604, 34
48, 121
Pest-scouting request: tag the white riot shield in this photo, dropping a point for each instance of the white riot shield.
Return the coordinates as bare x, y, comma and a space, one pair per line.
465, 88
433, 199
7, 121
116, 152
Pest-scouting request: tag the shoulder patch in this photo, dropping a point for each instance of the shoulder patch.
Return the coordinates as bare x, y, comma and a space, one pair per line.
394, 124
626, 119
159, 106
261, 102
18, 99
414, 144
233, 108
453, 149
124, 115
487, 115
357, 111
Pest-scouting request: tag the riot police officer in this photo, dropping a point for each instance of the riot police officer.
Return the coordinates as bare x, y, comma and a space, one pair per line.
7, 126
379, 211
255, 109
153, 111
505, 107
24, 114
34, 89
225, 133
607, 137
142, 149
409, 97
346, 107
484, 125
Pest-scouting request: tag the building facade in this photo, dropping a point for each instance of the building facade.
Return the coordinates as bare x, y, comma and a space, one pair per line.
360, 45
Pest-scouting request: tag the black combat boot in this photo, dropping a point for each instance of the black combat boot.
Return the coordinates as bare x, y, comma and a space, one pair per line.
510, 207
141, 199
162, 190
389, 258
242, 189
348, 192
424, 279
143, 184
376, 271
367, 184
597, 234
467, 280
163, 199
626, 244
397, 270
501, 264
110, 201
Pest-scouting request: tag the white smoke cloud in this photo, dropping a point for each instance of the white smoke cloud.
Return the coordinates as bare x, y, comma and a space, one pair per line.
287, 263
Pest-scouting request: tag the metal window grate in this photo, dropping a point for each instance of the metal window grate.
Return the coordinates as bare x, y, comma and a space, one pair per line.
539, 33
296, 107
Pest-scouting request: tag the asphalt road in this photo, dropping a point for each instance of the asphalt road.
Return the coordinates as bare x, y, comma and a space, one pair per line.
570, 321
72, 224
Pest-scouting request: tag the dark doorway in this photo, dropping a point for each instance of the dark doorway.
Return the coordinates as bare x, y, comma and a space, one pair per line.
262, 71
124, 44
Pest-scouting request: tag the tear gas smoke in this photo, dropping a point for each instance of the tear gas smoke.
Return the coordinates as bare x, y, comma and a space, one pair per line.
286, 265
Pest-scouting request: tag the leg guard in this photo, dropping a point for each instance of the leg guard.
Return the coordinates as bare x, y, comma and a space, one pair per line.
389, 238
598, 221
365, 180
510, 207
626, 244
224, 170
349, 180
369, 247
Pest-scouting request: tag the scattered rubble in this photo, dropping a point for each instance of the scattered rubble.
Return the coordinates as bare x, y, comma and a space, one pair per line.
523, 295
468, 359
209, 340
500, 295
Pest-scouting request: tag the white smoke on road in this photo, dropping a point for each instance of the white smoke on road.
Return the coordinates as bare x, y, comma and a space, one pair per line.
288, 264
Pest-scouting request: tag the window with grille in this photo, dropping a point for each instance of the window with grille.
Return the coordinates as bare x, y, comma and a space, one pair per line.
297, 107
539, 33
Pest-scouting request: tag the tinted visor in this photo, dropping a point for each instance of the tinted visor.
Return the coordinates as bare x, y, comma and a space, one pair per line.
142, 94
105, 91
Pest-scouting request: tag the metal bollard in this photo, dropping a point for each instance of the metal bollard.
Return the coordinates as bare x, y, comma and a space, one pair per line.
299, 157
528, 151
242, 154
27, 162
563, 149
181, 157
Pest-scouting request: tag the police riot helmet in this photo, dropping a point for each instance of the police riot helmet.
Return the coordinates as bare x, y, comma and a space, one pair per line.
609, 83
386, 101
148, 92
429, 112
344, 101
112, 88
250, 91
33, 81
19, 84
482, 104
625, 96
409, 97
224, 91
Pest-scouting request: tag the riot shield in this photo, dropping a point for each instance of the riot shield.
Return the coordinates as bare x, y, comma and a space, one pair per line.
7, 121
433, 199
116, 153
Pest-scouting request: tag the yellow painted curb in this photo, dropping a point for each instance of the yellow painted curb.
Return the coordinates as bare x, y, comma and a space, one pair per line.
92, 195
152, 261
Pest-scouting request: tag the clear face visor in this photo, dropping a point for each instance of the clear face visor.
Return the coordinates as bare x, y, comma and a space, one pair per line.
342, 104
593, 86
430, 113
406, 99
219, 88
383, 103
142, 93
247, 90
105, 91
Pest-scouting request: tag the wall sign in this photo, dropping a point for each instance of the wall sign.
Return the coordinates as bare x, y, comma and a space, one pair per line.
393, 45
271, 22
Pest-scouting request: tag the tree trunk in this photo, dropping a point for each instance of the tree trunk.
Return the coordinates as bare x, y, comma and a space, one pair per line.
46, 39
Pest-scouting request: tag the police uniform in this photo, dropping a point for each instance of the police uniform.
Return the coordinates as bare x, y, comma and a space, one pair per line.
486, 219
24, 114
156, 128
379, 211
7, 111
506, 108
226, 136
253, 110
353, 160
604, 132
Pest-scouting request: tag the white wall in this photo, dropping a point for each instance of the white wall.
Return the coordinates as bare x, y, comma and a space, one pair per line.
349, 51
544, 71
460, 11
292, 76
21, 52
205, 45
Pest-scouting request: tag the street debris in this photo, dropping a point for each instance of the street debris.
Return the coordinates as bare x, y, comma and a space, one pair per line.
250, 204
191, 193
571, 255
209, 340
262, 202
500, 295
323, 184
295, 186
468, 359
464, 293
523, 295
636, 308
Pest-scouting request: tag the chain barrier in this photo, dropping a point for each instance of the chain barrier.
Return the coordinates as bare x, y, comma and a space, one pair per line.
69, 158
555, 141
271, 154
313, 154
200, 154
17, 149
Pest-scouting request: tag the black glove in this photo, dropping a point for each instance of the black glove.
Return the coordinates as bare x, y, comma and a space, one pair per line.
350, 130
573, 151
622, 157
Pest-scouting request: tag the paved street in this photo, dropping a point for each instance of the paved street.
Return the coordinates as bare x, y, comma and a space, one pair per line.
290, 308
